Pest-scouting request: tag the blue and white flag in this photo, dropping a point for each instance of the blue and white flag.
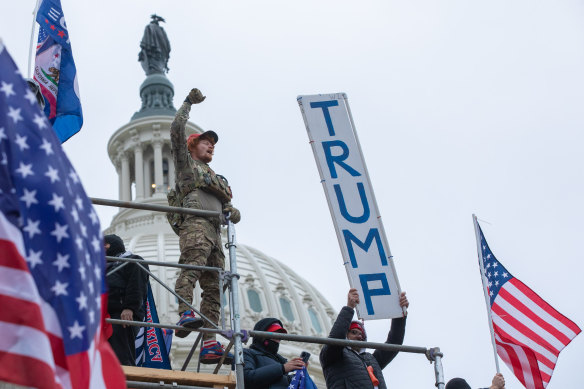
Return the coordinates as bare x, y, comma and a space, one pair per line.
151, 343
302, 380
55, 71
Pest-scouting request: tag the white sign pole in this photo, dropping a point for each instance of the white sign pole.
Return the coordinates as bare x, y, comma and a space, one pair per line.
366, 255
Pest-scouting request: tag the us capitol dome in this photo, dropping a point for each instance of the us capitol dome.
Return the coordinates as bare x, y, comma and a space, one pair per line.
140, 152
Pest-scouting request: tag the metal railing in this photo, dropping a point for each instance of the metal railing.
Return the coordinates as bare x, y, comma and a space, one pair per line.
235, 334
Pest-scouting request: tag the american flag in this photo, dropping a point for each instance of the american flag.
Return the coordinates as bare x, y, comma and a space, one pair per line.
301, 380
52, 287
529, 333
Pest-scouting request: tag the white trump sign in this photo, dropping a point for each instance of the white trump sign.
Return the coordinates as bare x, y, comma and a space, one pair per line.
348, 190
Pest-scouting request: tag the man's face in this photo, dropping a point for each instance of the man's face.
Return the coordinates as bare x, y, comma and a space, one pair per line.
355, 334
203, 151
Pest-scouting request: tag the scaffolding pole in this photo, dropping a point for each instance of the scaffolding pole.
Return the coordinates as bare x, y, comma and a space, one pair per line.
234, 303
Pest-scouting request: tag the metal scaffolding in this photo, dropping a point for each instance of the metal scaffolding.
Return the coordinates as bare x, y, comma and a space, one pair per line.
228, 280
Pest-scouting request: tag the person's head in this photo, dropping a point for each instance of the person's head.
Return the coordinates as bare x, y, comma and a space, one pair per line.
202, 146
114, 245
269, 324
357, 332
457, 383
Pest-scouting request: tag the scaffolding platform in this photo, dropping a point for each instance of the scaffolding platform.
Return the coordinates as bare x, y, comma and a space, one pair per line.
178, 377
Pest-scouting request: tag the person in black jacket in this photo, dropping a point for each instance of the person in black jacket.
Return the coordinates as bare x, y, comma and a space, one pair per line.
127, 293
346, 367
264, 367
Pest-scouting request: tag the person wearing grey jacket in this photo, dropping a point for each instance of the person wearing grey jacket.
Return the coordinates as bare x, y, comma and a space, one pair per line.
346, 367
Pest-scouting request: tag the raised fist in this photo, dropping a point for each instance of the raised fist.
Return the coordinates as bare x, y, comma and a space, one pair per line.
195, 96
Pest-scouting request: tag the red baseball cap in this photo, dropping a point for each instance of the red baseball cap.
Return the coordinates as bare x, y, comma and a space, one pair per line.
276, 327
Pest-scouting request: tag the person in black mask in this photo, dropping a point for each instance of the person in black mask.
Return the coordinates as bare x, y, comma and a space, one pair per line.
264, 367
127, 293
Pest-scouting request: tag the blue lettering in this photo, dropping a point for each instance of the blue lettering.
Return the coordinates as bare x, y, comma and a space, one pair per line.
373, 234
366, 212
327, 117
332, 159
368, 293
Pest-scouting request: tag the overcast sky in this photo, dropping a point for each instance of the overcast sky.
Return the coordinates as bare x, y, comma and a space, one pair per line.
461, 107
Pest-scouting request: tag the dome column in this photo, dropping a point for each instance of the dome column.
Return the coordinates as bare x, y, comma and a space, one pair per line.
157, 143
139, 172
118, 165
147, 179
125, 178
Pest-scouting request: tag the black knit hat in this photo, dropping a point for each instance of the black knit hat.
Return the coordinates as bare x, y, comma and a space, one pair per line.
457, 383
116, 245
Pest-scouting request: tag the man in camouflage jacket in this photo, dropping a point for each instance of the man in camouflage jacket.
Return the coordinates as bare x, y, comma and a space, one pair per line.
199, 237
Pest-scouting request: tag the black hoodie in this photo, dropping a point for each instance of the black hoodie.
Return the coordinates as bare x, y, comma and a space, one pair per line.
264, 369
127, 286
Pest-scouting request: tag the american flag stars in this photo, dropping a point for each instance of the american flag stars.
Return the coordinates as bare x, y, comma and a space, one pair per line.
21, 142
7, 89
30, 97
47, 147
496, 274
53, 174
14, 113
40, 121
61, 262
29, 197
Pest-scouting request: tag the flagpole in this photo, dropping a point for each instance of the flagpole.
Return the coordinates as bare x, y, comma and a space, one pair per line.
486, 292
34, 13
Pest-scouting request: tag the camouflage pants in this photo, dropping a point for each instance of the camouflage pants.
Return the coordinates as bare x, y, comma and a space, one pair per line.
200, 245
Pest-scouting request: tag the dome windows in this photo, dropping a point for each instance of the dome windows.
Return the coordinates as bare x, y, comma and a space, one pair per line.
314, 320
286, 309
254, 300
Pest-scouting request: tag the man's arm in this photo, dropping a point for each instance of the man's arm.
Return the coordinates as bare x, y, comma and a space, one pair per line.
136, 288
395, 336
178, 141
332, 354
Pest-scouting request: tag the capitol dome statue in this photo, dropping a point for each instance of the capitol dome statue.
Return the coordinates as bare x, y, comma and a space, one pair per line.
140, 151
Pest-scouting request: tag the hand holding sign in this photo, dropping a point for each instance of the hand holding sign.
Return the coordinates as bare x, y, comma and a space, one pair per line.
353, 298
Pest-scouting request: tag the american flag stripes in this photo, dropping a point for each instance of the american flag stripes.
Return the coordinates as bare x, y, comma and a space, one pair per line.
52, 283
529, 333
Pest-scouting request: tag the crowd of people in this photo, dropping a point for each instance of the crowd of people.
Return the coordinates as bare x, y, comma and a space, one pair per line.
199, 187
